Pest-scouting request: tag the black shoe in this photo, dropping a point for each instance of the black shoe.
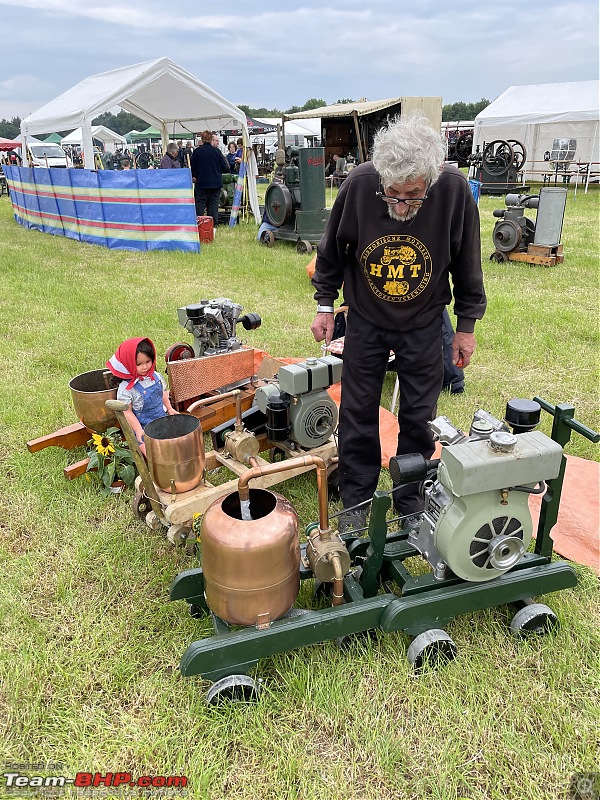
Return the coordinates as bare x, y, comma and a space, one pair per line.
352, 521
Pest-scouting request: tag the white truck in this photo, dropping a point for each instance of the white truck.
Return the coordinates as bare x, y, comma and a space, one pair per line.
48, 155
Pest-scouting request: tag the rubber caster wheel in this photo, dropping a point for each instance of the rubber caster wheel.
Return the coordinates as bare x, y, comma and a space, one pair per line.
362, 637
140, 505
431, 649
304, 247
179, 352
197, 612
267, 238
234, 689
535, 618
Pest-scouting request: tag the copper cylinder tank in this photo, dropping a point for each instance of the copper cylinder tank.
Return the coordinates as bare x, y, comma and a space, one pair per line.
89, 393
251, 568
175, 451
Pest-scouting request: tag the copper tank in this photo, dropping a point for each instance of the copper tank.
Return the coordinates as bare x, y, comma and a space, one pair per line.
175, 452
89, 392
251, 567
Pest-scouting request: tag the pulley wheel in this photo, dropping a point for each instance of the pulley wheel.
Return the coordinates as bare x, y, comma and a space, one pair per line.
278, 204
497, 157
464, 146
178, 352
519, 153
507, 235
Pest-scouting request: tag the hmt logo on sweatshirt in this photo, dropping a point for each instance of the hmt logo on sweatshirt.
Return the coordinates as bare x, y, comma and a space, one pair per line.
397, 267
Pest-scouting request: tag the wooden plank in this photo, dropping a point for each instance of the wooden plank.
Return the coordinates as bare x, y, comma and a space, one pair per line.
526, 258
544, 250
68, 438
75, 470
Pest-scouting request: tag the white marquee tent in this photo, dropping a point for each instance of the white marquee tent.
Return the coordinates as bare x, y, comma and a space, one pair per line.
160, 92
111, 139
536, 115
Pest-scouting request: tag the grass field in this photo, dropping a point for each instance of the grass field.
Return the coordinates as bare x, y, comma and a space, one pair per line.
91, 644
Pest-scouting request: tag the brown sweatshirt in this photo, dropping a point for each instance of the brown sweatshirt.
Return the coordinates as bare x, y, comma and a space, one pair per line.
395, 273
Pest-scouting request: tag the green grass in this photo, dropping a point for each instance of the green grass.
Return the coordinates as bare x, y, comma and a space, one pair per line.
90, 643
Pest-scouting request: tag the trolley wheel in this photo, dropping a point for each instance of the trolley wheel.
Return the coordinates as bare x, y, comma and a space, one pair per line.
267, 238
234, 689
140, 505
362, 637
431, 649
153, 522
535, 618
197, 612
303, 246
498, 257
178, 534
333, 482
276, 454
178, 352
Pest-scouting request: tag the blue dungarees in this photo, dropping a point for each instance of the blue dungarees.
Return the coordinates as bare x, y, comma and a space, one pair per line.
153, 403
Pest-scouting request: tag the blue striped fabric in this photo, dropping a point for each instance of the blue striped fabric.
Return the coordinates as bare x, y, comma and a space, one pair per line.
127, 210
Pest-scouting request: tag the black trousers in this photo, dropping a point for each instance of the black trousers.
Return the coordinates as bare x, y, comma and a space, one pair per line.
420, 368
207, 203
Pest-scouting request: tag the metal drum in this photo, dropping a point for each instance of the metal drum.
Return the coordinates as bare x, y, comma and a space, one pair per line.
89, 394
175, 451
251, 568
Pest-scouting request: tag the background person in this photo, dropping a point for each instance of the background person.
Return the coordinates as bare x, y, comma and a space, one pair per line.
208, 167
401, 226
171, 158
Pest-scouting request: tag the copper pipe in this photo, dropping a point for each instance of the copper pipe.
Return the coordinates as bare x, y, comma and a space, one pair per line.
284, 466
208, 400
338, 580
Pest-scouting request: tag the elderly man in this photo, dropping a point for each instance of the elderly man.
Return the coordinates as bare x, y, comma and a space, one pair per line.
208, 167
171, 158
401, 227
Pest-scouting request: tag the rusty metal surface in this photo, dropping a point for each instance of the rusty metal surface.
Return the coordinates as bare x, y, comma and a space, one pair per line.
197, 376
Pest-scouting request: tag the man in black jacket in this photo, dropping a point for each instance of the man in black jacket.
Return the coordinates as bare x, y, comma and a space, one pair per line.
208, 166
402, 225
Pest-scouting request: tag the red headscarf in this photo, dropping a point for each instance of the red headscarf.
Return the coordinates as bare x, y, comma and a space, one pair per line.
123, 363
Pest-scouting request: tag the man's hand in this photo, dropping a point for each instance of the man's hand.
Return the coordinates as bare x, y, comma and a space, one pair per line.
463, 347
322, 327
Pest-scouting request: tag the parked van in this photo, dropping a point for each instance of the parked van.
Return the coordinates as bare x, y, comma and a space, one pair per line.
48, 155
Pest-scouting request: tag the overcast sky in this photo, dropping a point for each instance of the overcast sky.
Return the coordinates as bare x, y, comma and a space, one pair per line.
280, 54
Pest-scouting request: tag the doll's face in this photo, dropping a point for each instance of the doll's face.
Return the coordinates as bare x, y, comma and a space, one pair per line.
144, 364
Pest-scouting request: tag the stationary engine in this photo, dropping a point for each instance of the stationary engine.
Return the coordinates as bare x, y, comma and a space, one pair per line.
476, 523
297, 407
295, 200
514, 232
498, 164
212, 324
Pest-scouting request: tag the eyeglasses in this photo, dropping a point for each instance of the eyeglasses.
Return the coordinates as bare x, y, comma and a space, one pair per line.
411, 202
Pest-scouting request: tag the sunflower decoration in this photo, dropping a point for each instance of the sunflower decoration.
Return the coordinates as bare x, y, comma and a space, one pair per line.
111, 460
103, 444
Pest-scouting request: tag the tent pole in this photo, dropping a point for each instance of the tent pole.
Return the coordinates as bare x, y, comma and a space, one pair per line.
87, 144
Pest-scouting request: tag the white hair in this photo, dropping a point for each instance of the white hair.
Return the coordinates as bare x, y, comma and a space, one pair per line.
409, 149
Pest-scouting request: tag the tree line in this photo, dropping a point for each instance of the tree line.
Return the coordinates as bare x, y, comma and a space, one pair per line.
123, 122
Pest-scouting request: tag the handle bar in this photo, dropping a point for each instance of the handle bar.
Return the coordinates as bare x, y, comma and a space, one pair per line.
574, 424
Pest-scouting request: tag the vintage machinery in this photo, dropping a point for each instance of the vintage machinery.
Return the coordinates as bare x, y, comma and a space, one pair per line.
212, 324
518, 238
297, 408
295, 200
498, 164
475, 534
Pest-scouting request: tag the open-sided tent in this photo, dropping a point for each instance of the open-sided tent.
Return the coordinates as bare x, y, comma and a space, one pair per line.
9, 144
536, 115
109, 138
54, 138
146, 135
160, 92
